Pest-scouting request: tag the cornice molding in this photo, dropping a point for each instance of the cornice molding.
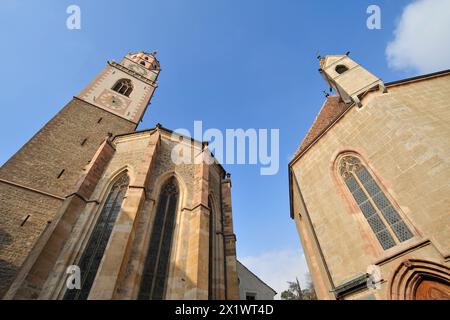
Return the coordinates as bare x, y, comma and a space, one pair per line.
104, 109
133, 73
31, 189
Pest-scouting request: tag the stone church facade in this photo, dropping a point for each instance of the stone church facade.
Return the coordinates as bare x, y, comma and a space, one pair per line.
89, 191
369, 186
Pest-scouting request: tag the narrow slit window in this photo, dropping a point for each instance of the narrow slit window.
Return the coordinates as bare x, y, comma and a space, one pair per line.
381, 215
25, 220
61, 173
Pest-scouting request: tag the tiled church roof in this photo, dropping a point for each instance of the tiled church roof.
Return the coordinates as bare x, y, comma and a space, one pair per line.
332, 109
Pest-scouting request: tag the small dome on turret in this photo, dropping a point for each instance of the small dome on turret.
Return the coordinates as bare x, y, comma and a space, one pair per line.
147, 60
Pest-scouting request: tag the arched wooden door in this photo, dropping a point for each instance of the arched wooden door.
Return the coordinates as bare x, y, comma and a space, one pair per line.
418, 279
432, 290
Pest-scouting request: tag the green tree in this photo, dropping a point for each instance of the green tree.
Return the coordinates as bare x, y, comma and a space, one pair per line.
295, 292
310, 292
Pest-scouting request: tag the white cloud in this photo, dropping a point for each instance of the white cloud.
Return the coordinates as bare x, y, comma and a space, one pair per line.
422, 37
276, 268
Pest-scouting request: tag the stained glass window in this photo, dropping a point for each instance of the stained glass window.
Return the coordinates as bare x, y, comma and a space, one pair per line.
156, 265
382, 217
95, 248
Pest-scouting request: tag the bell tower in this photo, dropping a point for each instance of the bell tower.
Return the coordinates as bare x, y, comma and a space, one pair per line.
38, 178
125, 88
348, 78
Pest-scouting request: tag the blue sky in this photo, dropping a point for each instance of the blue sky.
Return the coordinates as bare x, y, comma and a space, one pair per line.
231, 64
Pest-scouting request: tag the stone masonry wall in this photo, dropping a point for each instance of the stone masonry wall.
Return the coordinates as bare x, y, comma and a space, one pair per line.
403, 136
57, 146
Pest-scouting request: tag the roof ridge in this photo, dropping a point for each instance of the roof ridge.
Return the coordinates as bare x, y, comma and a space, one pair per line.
317, 116
331, 109
256, 276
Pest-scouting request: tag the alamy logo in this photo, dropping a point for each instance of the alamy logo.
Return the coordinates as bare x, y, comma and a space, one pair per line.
374, 279
74, 279
236, 146
374, 20
73, 22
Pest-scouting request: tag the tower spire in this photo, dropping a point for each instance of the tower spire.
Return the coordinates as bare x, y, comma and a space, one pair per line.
126, 88
349, 78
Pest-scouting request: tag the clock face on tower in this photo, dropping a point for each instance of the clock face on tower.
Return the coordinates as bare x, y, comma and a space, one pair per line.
113, 101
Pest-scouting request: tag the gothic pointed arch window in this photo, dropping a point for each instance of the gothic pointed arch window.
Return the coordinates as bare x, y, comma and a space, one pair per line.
382, 216
216, 265
156, 264
95, 248
124, 87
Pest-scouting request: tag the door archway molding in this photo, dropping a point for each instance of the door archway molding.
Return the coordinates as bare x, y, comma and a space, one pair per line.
410, 273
